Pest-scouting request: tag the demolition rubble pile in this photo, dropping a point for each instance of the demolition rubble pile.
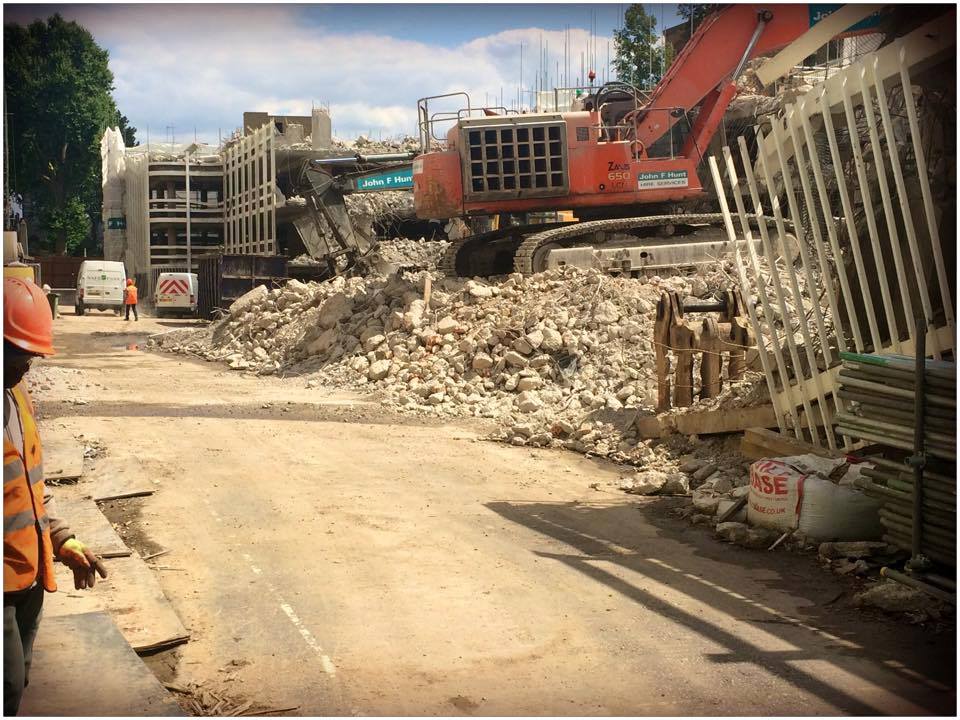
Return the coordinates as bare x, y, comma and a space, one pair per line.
398, 253
376, 205
563, 358
403, 253
365, 209
367, 146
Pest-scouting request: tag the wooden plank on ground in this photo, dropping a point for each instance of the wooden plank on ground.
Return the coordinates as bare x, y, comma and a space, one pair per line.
132, 596
113, 486
710, 422
83, 666
91, 526
62, 456
762, 443
706, 422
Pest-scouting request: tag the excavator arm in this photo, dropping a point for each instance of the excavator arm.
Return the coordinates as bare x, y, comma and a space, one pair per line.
705, 72
324, 192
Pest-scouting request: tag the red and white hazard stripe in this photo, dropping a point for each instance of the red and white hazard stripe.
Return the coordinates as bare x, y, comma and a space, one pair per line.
174, 286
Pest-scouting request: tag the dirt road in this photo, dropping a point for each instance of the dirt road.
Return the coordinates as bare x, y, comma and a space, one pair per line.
330, 556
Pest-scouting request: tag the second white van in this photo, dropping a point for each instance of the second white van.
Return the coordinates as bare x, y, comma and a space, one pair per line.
176, 293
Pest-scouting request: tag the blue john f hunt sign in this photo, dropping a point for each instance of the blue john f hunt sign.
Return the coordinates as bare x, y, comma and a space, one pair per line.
401, 179
819, 12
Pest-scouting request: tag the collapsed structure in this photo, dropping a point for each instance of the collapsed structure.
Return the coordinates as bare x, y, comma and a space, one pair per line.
166, 206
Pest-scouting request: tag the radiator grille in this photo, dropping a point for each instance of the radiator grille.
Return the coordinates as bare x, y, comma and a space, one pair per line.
516, 160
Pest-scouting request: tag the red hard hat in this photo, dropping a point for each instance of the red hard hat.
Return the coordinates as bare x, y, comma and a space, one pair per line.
27, 320
129, 281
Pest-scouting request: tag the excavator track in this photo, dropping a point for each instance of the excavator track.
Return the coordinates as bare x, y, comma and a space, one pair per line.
525, 248
489, 253
530, 257
532, 253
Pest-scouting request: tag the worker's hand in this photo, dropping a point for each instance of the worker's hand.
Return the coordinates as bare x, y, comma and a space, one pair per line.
83, 562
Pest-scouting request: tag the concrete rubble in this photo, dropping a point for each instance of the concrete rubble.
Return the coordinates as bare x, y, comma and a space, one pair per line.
893, 597
559, 359
368, 146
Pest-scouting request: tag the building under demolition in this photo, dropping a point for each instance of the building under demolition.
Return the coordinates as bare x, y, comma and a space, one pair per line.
166, 206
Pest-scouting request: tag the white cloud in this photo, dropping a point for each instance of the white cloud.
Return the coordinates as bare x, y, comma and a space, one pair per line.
202, 66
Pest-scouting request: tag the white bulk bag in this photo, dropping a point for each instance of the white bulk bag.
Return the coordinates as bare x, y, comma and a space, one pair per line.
794, 493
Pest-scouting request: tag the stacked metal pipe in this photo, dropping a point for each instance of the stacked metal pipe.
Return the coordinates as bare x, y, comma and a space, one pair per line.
881, 391
880, 394
892, 483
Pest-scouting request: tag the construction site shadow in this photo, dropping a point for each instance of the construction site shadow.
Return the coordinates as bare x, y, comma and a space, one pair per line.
355, 414
612, 533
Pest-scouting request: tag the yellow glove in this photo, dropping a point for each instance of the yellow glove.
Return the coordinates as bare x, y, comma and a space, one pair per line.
83, 562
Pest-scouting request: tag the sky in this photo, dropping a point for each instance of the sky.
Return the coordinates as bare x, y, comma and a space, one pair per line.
190, 69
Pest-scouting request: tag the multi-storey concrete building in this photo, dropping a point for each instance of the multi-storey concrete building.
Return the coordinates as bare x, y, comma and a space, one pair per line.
167, 206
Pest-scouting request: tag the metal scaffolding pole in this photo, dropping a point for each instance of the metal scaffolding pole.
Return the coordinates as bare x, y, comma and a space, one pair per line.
189, 258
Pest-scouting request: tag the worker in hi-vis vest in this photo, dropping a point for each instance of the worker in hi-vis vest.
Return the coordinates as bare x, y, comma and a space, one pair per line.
130, 299
32, 533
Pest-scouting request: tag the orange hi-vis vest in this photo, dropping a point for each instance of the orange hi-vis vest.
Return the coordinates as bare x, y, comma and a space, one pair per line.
25, 550
130, 295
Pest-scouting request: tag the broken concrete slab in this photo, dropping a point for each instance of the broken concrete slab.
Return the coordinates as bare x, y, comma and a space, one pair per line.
132, 596
853, 549
733, 532
68, 678
891, 596
732, 510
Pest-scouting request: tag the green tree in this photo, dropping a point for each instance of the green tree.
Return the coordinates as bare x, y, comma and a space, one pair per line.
639, 58
57, 85
128, 131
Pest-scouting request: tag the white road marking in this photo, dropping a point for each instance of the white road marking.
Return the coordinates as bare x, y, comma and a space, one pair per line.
325, 662
308, 637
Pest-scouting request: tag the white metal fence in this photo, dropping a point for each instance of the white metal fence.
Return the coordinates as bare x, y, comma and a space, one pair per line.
853, 188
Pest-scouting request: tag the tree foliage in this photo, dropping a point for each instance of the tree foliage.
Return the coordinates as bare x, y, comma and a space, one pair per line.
58, 99
695, 11
128, 131
639, 58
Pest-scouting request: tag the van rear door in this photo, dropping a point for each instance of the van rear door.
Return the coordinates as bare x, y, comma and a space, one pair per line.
173, 290
103, 285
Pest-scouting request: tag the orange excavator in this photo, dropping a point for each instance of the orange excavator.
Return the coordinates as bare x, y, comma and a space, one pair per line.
626, 165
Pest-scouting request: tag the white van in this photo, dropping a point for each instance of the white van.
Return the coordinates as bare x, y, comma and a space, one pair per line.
100, 285
176, 292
